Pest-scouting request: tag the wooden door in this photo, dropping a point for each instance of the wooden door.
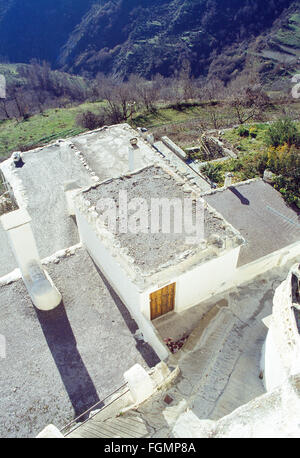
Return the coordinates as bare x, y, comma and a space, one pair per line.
162, 301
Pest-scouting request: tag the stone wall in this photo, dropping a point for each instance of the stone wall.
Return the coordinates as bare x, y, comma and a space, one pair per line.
6, 204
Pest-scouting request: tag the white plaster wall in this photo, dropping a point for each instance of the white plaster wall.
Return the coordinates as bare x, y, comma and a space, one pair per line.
23, 246
274, 371
192, 287
198, 284
250, 271
205, 280
272, 415
117, 277
262, 265
217, 276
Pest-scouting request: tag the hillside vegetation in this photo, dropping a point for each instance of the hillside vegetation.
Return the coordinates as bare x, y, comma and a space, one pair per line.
32, 88
176, 67
261, 147
151, 36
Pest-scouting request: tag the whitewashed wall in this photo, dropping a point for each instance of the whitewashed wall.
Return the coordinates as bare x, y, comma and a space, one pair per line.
282, 346
217, 276
206, 280
126, 290
274, 372
198, 284
277, 258
192, 287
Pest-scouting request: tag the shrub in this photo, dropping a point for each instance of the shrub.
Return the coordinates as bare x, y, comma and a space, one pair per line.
243, 131
285, 162
90, 120
213, 172
283, 185
281, 132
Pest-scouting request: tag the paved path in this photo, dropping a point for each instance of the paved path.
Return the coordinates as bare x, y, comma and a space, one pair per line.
220, 364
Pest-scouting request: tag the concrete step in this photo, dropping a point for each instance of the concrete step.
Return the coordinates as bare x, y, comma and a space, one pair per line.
221, 363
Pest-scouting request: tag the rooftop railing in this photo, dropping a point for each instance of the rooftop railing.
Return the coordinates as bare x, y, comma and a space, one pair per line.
76, 423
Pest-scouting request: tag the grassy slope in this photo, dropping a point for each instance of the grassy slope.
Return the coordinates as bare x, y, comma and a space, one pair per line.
183, 127
61, 123
10, 71
289, 36
42, 129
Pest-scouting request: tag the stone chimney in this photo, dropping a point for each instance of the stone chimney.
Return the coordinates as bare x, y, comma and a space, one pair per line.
40, 287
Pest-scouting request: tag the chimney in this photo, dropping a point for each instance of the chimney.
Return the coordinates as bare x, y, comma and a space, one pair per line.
131, 158
228, 179
40, 287
71, 188
132, 153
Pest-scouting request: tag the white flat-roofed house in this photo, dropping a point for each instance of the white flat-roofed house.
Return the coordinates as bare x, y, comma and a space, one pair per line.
156, 273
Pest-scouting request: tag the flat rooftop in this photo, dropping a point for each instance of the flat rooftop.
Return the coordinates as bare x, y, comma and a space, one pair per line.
153, 251
60, 363
39, 185
106, 150
93, 156
260, 214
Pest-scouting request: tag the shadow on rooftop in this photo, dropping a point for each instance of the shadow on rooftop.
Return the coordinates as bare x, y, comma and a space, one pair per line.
147, 352
62, 344
243, 199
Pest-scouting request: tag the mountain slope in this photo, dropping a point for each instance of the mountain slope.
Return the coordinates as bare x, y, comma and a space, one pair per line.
37, 28
134, 36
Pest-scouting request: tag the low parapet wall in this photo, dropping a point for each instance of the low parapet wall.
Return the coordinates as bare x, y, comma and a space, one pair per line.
248, 272
276, 259
173, 147
272, 415
282, 347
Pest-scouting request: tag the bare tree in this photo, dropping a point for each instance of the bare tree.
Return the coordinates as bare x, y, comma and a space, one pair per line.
90, 120
212, 93
18, 96
143, 92
120, 98
4, 108
247, 97
187, 82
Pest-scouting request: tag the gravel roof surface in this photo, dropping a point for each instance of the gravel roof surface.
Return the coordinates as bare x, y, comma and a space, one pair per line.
260, 214
106, 150
151, 250
43, 177
60, 363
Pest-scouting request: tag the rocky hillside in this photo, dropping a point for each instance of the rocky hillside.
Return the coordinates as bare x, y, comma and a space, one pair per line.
150, 36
